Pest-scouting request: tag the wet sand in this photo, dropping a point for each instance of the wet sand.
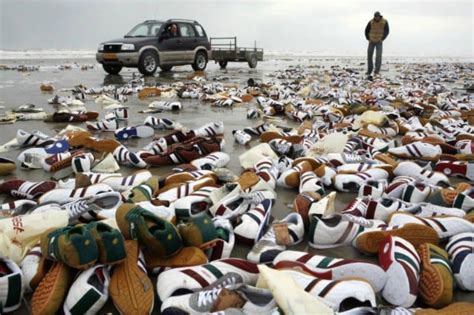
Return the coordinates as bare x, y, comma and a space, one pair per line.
17, 88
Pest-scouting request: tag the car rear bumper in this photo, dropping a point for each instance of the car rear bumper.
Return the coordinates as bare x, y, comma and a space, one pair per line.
122, 58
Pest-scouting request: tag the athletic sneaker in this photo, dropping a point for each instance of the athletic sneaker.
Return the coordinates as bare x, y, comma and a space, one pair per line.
337, 293
330, 268
190, 279
254, 222
288, 231
417, 150
461, 254
18, 188
89, 291
401, 263
241, 137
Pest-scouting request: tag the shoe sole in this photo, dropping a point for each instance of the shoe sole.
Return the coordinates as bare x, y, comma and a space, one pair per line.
433, 287
375, 276
130, 288
51, 291
416, 234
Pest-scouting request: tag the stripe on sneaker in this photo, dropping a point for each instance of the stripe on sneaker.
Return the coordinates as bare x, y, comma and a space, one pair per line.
199, 279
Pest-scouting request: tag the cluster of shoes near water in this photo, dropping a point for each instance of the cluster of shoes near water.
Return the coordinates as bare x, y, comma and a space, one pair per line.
403, 147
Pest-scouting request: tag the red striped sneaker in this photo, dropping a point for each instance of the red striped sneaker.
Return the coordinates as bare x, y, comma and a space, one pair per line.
415, 171
352, 182
189, 279
225, 240
19, 188
402, 265
417, 150
336, 293
464, 169
186, 189
212, 161
118, 182
291, 178
330, 268
195, 204
64, 195
445, 226
461, 254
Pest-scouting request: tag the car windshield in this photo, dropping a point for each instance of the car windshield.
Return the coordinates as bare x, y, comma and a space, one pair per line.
146, 29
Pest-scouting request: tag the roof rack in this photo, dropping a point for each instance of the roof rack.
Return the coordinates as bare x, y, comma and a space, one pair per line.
151, 21
182, 20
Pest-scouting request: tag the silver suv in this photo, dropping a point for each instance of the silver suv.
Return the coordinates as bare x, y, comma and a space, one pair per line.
154, 44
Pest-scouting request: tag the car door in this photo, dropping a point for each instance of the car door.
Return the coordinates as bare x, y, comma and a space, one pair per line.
171, 48
188, 37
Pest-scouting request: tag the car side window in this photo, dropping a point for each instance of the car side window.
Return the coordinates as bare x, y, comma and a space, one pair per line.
155, 29
199, 30
186, 30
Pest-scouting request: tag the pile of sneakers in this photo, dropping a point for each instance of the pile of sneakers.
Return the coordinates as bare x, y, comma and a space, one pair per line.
203, 239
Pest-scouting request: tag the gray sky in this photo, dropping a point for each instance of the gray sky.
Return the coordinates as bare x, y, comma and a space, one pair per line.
418, 27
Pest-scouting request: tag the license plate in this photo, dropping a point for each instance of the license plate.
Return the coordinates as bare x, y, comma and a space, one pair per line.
110, 56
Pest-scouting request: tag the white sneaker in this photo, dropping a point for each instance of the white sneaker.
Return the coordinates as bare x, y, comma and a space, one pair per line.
415, 171
103, 125
65, 195
225, 240
89, 291
241, 137
288, 231
417, 150
168, 106
210, 130
212, 161
352, 182
254, 222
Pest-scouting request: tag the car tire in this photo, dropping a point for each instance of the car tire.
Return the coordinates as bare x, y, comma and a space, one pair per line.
253, 61
112, 69
166, 68
200, 61
148, 62
223, 64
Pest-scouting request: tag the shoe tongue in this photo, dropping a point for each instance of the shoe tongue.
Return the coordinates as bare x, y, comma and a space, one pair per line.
228, 299
282, 235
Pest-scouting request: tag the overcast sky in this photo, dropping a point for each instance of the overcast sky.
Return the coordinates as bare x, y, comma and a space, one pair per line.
418, 27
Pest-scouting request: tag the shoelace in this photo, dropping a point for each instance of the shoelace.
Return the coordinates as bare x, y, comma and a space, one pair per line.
358, 220
352, 157
76, 208
209, 296
253, 197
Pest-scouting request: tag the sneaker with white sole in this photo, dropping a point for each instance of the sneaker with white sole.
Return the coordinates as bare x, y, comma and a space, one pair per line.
331, 268
89, 291
417, 150
210, 130
212, 161
352, 182
103, 125
65, 195
401, 263
241, 137
417, 172
288, 231
165, 106
127, 157
160, 123
225, 240
189, 279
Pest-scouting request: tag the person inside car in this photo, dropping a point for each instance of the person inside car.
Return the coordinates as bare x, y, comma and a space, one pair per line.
170, 31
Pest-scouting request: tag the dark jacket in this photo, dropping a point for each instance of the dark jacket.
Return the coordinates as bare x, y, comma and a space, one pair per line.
385, 31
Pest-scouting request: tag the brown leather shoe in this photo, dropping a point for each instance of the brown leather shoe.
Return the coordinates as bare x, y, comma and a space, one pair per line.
6, 166
186, 257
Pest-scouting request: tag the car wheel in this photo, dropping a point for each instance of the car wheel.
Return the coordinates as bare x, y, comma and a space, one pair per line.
148, 62
223, 64
200, 61
166, 68
253, 61
112, 69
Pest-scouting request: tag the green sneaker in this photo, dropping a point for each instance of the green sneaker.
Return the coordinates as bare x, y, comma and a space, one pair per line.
73, 245
199, 232
157, 235
109, 241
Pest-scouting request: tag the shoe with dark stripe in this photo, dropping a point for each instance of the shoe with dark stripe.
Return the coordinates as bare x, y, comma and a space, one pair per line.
465, 200
35, 138
331, 268
336, 292
160, 123
210, 130
445, 226
286, 232
211, 161
402, 265
11, 285
464, 169
103, 125
417, 172
65, 195
254, 222
190, 279
124, 156
436, 279
89, 291
17, 207
23, 189
461, 254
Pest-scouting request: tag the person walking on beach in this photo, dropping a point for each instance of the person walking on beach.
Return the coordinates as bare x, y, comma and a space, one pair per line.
376, 31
